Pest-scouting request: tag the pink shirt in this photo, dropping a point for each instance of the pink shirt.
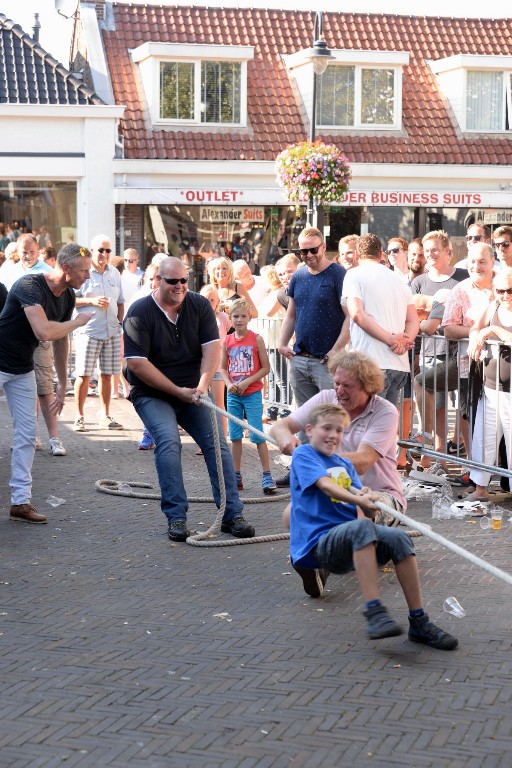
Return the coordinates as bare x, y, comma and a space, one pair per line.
466, 305
377, 426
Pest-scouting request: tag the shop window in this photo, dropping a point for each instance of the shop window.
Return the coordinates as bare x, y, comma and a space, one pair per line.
488, 97
32, 205
356, 96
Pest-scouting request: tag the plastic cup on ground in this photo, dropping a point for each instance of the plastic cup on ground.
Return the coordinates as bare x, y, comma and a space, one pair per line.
496, 519
485, 523
452, 605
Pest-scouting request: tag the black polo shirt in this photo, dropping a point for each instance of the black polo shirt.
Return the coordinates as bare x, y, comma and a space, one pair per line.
174, 348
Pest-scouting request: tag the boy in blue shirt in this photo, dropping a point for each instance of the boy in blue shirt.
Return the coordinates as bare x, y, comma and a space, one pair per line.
332, 530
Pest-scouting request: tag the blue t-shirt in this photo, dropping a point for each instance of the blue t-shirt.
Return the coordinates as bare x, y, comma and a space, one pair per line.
313, 513
318, 312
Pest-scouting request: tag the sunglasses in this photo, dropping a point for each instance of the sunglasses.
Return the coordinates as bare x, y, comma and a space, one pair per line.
393, 250
501, 291
476, 238
502, 244
305, 251
174, 280
104, 250
128, 261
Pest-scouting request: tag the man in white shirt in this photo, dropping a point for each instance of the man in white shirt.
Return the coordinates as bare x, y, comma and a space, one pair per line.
132, 277
383, 318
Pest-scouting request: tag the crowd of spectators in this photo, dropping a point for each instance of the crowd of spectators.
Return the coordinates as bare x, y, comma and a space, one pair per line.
373, 330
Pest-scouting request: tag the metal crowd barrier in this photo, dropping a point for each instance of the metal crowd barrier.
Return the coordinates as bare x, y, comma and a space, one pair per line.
440, 380
278, 391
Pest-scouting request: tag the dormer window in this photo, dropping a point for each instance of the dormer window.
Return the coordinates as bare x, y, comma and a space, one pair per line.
195, 84
488, 105
479, 90
360, 89
356, 96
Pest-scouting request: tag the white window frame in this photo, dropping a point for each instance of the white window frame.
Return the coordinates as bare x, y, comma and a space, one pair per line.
479, 63
506, 103
390, 60
358, 88
150, 56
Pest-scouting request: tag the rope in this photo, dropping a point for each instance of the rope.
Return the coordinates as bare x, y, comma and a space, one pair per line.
201, 539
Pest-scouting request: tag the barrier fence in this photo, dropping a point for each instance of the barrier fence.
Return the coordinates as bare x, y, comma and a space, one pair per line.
447, 400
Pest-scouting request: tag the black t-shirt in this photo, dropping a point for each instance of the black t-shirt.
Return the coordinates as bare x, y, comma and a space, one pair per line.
175, 349
3, 296
17, 339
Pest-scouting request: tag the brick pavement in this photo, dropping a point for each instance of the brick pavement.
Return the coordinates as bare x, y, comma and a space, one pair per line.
121, 649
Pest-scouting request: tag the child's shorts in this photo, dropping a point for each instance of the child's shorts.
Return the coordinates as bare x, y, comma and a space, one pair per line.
252, 405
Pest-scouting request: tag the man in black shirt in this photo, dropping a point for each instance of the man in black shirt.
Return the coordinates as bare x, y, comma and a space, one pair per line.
38, 308
172, 349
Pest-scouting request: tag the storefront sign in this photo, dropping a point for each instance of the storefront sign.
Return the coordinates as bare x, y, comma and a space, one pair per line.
413, 199
493, 217
231, 213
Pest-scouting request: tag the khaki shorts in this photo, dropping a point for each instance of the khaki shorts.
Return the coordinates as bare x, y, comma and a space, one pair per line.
43, 368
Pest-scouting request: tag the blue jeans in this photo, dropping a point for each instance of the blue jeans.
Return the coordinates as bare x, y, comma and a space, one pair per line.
308, 377
162, 420
335, 549
20, 393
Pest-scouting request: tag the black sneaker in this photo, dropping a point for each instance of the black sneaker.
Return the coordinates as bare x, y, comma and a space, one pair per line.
380, 623
421, 630
178, 530
273, 412
454, 449
283, 482
313, 580
238, 527
284, 412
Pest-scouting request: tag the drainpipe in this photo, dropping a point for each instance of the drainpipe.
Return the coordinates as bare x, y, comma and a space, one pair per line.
121, 222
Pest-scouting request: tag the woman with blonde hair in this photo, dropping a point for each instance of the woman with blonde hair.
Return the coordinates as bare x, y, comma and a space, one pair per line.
220, 272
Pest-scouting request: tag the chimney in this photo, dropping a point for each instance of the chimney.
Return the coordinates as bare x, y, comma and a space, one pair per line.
36, 27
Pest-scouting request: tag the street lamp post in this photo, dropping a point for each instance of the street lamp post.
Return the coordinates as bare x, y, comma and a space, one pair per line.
319, 55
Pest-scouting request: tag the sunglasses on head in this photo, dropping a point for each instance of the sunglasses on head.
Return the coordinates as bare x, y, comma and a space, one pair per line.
502, 243
476, 238
393, 250
501, 291
174, 280
313, 251
104, 250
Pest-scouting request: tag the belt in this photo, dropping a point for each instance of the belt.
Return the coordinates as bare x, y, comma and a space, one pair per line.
308, 354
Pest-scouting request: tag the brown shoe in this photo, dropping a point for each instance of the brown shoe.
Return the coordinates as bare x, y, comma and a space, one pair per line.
27, 514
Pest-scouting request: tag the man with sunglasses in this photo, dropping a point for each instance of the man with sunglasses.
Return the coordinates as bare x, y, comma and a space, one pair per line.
502, 240
477, 233
100, 339
315, 315
397, 256
172, 352
131, 277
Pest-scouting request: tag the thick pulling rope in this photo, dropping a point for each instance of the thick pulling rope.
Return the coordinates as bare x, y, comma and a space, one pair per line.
199, 540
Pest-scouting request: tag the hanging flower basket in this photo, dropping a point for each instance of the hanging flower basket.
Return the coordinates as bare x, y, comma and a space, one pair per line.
313, 169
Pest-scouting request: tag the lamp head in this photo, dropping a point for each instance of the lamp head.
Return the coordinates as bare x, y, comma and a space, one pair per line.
320, 56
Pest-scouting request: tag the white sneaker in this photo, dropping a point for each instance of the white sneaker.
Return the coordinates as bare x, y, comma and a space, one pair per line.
79, 425
56, 446
434, 474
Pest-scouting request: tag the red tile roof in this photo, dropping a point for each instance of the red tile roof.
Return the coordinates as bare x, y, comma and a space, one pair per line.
430, 132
